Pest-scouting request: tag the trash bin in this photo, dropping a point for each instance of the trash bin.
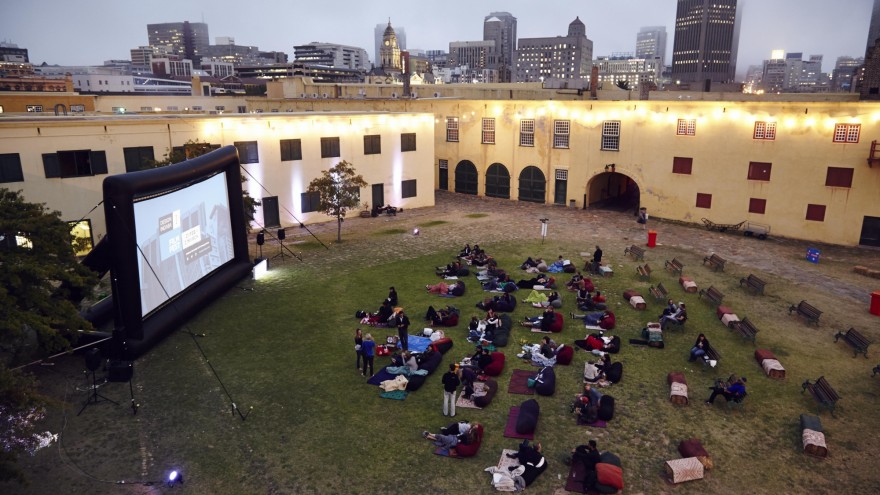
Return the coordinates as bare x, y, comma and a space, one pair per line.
813, 255
652, 238
875, 303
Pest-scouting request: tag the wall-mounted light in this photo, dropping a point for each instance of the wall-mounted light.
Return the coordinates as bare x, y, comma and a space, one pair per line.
610, 167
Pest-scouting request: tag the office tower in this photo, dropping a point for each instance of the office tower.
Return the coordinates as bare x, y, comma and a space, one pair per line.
557, 57
874, 27
845, 70
378, 37
706, 41
187, 39
651, 44
500, 27
331, 55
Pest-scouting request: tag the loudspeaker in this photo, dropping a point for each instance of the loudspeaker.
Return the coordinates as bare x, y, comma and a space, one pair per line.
261, 238
93, 359
281, 234
120, 371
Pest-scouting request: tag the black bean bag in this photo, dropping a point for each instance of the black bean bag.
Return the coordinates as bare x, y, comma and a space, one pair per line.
614, 346
502, 334
510, 287
463, 272
615, 372
491, 387
503, 306
458, 290
527, 420
430, 361
606, 407
545, 383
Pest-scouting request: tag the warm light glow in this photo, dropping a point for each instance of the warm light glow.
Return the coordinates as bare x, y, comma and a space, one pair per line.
790, 122
261, 269
734, 114
809, 122
829, 123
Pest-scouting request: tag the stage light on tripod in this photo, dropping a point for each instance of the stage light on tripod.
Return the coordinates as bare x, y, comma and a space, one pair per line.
175, 478
261, 269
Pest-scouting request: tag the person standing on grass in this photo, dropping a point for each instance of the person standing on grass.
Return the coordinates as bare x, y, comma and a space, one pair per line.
358, 347
403, 329
597, 260
368, 349
451, 382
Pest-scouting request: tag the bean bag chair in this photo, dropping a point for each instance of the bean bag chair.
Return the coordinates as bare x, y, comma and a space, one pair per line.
609, 478
415, 382
491, 388
629, 293
608, 322
545, 381
458, 290
564, 354
471, 449
505, 306
558, 323
694, 448
609, 458
557, 303
527, 420
615, 372
497, 365
502, 334
463, 272
450, 320
613, 347
606, 407
430, 361
442, 345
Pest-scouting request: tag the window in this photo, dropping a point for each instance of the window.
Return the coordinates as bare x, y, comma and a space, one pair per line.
172, 108
138, 158
408, 141
488, 131
561, 130
765, 130
77, 108
34, 108
372, 144
816, 213
192, 150
611, 135
757, 205
843, 133
329, 147
82, 236
220, 108
197, 108
242, 109
247, 151
759, 171
310, 201
452, 129
682, 165
10, 168
78, 163
408, 188
686, 127
704, 200
291, 149
527, 132
839, 177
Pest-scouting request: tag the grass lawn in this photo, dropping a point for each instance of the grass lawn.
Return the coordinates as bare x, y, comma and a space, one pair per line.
284, 354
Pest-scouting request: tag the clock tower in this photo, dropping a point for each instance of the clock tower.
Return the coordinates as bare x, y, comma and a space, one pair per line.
389, 53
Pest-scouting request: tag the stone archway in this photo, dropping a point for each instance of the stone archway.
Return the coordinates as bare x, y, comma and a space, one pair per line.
532, 185
497, 181
613, 191
466, 177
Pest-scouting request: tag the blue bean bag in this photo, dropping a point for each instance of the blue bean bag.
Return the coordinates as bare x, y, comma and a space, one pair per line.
527, 420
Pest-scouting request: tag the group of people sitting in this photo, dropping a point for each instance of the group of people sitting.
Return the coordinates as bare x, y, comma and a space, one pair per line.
474, 256
504, 303
384, 315
483, 331
673, 314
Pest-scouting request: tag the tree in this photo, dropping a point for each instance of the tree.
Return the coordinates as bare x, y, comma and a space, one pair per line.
623, 84
338, 190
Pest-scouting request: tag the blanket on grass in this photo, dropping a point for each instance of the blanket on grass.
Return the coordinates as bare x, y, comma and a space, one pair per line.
519, 382
598, 424
466, 403
380, 377
394, 395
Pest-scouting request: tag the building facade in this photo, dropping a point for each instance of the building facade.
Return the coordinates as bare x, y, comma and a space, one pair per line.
557, 58
651, 44
628, 70
706, 41
188, 39
389, 53
500, 27
332, 55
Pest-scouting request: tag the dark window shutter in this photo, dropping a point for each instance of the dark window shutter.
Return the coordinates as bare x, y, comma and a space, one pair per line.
51, 165
99, 162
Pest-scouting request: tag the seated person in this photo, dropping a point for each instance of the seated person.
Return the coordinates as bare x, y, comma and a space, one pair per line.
592, 373
732, 391
586, 405
529, 263
548, 347
587, 283
544, 322
588, 455
532, 458
575, 282
670, 309
450, 270
466, 251
450, 440
583, 297
678, 318
482, 358
475, 329
380, 317
604, 363
409, 360
598, 298
468, 377
699, 348
445, 316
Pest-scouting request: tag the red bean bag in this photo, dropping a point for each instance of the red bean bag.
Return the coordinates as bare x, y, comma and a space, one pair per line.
609, 475
558, 323
471, 449
442, 345
608, 322
564, 354
497, 365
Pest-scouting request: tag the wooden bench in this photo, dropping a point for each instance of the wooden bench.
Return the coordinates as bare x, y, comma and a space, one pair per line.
746, 328
644, 271
712, 354
635, 251
712, 293
715, 262
806, 311
823, 393
674, 265
856, 340
660, 293
754, 283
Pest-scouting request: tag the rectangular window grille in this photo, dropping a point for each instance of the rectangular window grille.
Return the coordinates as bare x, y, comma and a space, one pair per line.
686, 127
561, 130
488, 131
765, 130
444, 164
847, 133
452, 129
561, 174
611, 135
527, 132
34, 108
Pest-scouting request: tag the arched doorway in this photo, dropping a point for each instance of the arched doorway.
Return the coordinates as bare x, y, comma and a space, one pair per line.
613, 191
466, 177
497, 181
532, 185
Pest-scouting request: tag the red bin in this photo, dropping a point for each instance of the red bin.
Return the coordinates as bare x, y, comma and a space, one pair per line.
652, 238
875, 303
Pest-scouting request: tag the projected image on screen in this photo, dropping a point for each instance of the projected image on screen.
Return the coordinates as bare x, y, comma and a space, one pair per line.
183, 236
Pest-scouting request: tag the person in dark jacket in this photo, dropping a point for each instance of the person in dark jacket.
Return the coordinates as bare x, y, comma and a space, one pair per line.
368, 349
451, 381
402, 322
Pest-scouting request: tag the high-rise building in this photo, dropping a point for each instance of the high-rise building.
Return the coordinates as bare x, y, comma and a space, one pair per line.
500, 27
188, 39
142, 57
651, 44
623, 68
706, 41
845, 70
773, 77
378, 37
555, 58
10, 52
874, 27
331, 55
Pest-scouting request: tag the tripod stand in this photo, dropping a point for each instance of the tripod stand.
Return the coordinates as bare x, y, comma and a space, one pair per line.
94, 396
281, 236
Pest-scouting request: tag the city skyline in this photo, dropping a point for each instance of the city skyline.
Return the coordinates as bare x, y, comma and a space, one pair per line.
76, 35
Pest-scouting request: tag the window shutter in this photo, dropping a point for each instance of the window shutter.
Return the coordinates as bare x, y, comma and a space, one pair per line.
51, 165
99, 162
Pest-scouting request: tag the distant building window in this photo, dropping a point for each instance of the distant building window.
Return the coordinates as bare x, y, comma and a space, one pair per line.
77, 163
765, 130
527, 132
247, 151
408, 188
757, 205
488, 131
310, 201
847, 133
686, 127
816, 213
839, 177
704, 200
682, 165
172, 108
147, 109
330, 147
138, 158
242, 109
197, 108
34, 108
611, 135
372, 144
220, 107
291, 149
760, 170
10, 168
452, 129
77, 108
561, 133
408, 141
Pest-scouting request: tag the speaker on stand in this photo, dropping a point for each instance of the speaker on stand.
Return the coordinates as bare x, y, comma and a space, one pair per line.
93, 361
281, 236
261, 239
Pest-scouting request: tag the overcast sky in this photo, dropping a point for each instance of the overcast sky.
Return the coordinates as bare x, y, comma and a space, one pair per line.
87, 32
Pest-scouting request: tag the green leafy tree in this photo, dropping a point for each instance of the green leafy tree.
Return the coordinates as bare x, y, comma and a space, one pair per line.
622, 84
339, 190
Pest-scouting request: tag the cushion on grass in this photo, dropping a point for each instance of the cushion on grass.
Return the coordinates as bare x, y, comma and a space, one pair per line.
471, 449
610, 475
440, 346
502, 334
762, 354
431, 361
615, 372
614, 346
546, 384
497, 365
505, 306
810, 422
415, 382
606, 407
609, 458
527, 420
628, 293
675, 377
491, 388
692, 447
557, 324
564, 354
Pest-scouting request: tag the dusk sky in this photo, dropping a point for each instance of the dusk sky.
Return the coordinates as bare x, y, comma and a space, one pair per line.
90, 31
